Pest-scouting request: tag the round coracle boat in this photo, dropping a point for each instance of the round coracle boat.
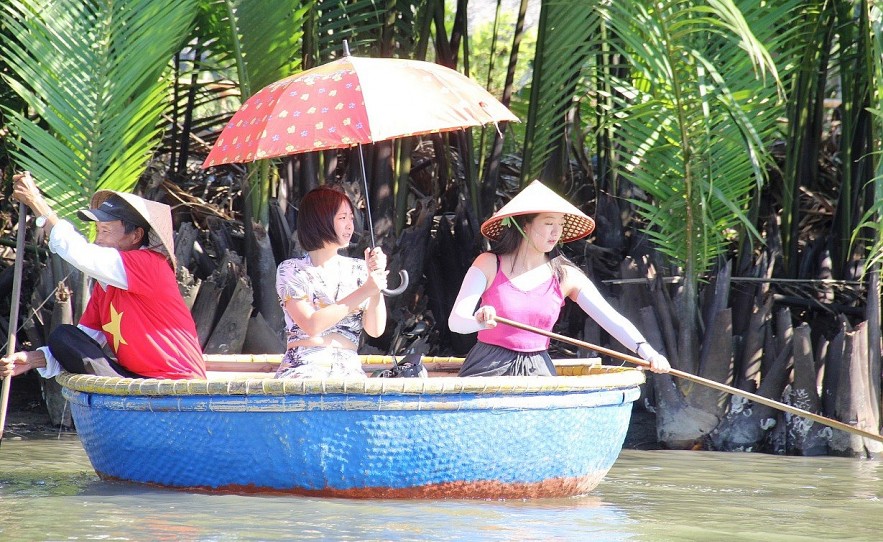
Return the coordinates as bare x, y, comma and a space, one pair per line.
438, 437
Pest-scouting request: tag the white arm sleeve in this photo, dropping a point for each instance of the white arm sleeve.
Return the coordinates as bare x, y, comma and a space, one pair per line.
462, 319
104, 264
591, 301
97, 336
53, 367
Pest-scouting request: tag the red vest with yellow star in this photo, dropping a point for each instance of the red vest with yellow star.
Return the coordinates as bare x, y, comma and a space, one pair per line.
147, 326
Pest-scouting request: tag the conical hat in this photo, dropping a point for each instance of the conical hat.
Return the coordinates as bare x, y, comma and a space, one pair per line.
537, 198
158, 215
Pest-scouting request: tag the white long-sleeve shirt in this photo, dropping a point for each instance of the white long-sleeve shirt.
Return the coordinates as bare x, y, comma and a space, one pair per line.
103, 264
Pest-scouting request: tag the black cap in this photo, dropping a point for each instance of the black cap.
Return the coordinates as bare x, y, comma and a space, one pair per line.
114, 208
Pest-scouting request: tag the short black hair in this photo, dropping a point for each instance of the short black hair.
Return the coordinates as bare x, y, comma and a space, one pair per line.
315, 217
129, 227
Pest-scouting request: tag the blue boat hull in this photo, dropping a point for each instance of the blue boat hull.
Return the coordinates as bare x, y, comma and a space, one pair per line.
502, 443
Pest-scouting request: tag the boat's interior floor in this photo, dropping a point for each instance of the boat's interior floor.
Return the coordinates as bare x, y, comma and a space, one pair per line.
247, 370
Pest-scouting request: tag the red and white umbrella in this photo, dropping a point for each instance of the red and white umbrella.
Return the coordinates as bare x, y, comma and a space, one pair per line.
350, 102
353, 101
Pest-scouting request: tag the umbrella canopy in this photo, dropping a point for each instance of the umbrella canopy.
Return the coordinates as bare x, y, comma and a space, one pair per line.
352, 101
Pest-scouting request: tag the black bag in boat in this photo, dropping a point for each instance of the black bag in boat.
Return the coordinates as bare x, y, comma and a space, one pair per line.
410, 366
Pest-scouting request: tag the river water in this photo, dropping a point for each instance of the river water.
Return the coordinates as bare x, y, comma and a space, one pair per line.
48, 491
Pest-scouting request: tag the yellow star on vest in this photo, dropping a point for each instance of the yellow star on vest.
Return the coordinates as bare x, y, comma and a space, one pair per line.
113, 327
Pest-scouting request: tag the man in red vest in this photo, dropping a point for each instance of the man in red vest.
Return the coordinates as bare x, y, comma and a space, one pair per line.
136, 324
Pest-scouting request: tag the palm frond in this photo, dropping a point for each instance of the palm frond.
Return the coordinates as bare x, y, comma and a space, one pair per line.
556, 69
803, 36
683, 121
93, 73
871, 226
261, 38
358, 21
271, 33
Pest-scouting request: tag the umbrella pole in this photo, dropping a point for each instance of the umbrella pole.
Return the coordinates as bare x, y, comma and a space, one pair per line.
13, 310
403, 275
367, 196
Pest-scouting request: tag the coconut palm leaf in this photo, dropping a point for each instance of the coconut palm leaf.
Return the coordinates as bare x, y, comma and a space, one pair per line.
870, 228
263, 38
693, 149
857, 138
360, 22
248, 43
561, 52
806, 94
9, 100
783, 27
677, 111
93, 73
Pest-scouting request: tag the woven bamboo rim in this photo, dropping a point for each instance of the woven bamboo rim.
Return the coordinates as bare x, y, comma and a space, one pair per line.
591, 377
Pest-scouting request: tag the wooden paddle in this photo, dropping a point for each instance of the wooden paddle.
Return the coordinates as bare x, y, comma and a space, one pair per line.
13, 309
699, 380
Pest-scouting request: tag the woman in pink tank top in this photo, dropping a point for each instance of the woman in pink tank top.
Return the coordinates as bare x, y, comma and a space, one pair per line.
526, 278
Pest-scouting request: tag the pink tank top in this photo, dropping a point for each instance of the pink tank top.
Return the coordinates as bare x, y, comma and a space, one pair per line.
538, 308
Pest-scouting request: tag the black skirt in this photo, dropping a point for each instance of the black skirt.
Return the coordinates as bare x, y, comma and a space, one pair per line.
491, 360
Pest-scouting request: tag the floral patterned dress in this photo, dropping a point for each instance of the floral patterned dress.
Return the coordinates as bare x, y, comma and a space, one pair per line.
299, 278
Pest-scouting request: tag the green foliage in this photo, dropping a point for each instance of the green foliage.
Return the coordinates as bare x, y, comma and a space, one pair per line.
487, 63
790, 31
361, 22
563, 47
684, 117
262, 39
94, 73
251, 43
870, 228
490, 46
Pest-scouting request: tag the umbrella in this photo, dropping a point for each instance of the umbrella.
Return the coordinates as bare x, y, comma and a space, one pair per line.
350, 102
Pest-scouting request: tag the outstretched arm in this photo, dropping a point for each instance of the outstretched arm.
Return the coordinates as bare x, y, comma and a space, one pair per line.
40, 359
593, 303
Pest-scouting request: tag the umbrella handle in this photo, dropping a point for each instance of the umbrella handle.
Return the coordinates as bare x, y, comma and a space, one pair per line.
398, 291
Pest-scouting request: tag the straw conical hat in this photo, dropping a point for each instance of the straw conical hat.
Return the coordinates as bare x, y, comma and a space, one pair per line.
537, 198
158, 215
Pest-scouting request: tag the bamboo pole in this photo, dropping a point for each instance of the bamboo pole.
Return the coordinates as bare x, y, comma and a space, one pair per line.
699, 380
13, 310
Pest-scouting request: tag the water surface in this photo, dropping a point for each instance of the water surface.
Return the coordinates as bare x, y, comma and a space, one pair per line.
48, 491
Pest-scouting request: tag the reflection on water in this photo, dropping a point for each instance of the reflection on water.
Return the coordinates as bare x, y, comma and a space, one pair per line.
48, 491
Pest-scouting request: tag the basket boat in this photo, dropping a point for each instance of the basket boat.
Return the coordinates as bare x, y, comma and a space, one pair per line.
242, 431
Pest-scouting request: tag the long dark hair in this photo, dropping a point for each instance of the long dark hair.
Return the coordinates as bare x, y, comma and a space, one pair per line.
511, 238
315, 217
